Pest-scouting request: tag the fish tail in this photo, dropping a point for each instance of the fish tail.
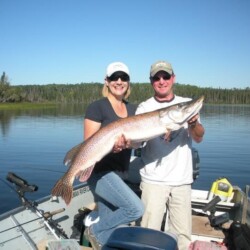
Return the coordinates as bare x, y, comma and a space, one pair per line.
64, 189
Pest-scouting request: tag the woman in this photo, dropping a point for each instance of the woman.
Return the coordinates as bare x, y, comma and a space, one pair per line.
117, 203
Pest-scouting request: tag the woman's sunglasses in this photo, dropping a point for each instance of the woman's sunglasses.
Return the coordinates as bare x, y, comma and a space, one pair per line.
123, 76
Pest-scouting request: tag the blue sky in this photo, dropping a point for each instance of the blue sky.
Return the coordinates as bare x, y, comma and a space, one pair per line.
73, 41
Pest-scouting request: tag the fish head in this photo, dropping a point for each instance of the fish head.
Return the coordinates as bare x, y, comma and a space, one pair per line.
176, 115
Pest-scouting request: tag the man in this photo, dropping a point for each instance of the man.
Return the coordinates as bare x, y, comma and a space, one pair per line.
167, 174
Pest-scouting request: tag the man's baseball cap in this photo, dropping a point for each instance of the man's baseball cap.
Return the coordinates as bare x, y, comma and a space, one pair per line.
161, 66
116, 66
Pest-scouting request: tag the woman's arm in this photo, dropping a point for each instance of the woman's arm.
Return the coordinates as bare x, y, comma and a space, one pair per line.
90, 127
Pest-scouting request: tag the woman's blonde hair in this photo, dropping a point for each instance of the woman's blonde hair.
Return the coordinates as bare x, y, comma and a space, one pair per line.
105, 91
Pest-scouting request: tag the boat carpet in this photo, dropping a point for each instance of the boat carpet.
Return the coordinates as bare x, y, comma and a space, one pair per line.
201, 226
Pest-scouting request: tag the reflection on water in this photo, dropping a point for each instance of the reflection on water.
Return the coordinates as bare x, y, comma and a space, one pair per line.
62, 110
225, 148
33, 144
210, 110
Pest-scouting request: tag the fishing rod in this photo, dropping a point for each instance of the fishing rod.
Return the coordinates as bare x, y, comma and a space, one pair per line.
45, 169
23, 186
46, 216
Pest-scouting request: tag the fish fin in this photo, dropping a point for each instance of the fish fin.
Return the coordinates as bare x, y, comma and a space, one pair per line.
64, 189
70, 155
84, 175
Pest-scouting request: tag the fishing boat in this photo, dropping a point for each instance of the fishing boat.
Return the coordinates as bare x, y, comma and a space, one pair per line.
49, 224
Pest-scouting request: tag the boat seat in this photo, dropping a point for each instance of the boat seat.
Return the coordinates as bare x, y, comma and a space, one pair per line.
140, 238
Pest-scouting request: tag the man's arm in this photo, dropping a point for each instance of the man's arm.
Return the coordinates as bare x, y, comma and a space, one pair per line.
196, 129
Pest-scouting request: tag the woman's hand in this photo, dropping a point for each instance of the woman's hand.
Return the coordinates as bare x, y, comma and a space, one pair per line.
120, 144
167, 136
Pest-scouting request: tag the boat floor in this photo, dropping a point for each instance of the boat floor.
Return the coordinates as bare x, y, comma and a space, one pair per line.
201, 229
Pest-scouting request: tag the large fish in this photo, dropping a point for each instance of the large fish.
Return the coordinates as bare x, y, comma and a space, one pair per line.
82, 158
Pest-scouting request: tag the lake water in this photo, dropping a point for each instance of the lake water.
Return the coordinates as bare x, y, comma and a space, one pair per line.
33, 144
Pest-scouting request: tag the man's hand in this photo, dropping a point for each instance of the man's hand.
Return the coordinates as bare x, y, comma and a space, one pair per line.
193, 120
196, 129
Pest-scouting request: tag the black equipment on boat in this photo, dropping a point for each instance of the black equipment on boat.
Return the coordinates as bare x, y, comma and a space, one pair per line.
211, 204
221, 190
21, 183
23, 186
196, 163
215, 221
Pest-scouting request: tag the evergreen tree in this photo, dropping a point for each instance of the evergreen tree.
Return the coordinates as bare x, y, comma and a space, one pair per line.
4, 87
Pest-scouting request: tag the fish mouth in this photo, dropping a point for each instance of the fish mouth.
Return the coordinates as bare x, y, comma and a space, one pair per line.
194, 106
185, 110
199, 102
191, 103
190, 108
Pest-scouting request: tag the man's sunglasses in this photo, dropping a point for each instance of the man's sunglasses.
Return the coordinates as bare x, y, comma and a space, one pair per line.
123, 76
164, 77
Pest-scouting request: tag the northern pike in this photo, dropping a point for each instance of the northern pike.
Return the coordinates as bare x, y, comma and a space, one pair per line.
82, 158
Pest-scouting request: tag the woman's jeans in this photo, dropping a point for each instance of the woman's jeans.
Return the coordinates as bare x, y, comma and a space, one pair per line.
117, 204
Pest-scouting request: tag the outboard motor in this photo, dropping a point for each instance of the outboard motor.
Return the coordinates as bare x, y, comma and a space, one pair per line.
196, 163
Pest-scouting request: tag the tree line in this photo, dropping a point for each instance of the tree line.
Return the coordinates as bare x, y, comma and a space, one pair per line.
88, 92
